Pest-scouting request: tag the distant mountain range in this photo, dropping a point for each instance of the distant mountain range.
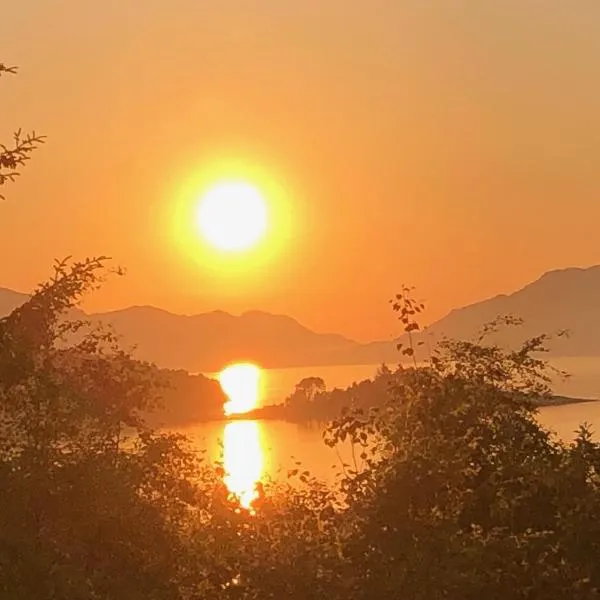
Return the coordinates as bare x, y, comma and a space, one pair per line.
208, 341
562, 299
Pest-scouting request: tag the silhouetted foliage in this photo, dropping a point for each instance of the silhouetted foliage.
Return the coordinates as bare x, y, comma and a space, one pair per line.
14, 156
185, 399
78, 472
454, 490
463, 494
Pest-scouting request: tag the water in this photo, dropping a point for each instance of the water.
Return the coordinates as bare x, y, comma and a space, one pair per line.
259, 450
565, 420
270, 447
276, 384
256, 450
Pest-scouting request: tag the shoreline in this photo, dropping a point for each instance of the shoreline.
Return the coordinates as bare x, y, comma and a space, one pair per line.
271, 412
565, 400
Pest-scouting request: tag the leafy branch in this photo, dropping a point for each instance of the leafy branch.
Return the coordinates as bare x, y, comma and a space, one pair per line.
407, 309
14, 157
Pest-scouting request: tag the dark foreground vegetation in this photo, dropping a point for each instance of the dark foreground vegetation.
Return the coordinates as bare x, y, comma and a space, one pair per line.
455, 491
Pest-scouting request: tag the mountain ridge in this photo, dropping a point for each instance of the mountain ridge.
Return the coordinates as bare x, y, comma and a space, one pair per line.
567, 298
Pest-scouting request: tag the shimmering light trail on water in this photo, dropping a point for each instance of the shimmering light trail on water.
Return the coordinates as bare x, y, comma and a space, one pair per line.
243, 459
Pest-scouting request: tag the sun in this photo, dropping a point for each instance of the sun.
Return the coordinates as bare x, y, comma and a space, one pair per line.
232, 216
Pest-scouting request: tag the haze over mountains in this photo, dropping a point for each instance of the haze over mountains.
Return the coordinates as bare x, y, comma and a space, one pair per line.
561, 299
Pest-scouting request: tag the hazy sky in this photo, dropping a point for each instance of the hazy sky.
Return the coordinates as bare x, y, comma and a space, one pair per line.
450, 145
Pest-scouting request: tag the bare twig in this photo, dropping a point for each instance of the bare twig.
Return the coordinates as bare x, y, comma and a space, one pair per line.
7, 70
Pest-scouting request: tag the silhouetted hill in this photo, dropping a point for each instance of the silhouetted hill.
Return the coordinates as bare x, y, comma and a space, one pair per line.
561, 299
9, 300
206, 342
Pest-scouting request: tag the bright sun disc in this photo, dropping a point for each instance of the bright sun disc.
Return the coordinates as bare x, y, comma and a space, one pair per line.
232, 216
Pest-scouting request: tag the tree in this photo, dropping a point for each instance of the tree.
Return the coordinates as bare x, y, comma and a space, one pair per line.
464, 494
310, 387
305, 394
93, 503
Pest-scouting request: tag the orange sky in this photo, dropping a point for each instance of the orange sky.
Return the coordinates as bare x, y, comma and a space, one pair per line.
449, 145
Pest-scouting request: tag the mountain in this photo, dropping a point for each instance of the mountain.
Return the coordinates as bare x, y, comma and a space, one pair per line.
565, 299
9, 300
562, 299
206, 342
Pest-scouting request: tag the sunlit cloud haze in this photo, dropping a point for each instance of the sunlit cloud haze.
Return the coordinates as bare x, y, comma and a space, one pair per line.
451, 146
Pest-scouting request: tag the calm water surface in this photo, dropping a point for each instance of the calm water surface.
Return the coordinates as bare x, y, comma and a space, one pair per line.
254, 451
276, 384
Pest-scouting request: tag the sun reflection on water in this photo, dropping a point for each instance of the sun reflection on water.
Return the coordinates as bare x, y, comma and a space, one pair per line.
243, 460
241, 383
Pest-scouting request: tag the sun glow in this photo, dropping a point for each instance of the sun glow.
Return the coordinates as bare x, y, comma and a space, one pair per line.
232, 216
243, 460
191, 250
241, 384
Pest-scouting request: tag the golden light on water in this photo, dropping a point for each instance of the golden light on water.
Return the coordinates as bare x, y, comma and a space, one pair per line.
241, 383
243, 460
